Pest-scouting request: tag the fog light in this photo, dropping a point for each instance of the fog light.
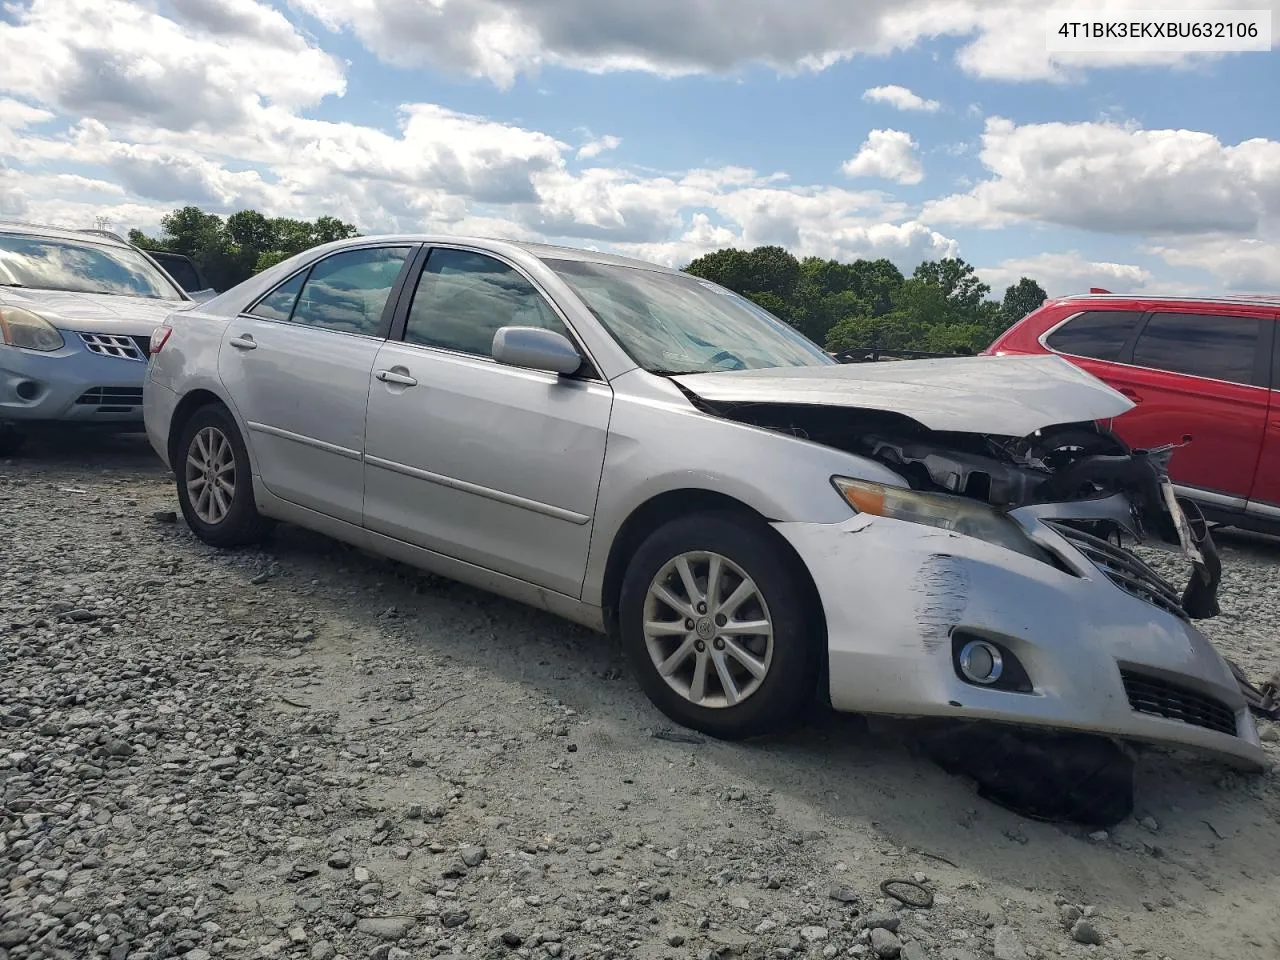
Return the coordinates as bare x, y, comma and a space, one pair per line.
980, 662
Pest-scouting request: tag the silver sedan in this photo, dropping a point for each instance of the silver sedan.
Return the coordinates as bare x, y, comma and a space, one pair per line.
649, 454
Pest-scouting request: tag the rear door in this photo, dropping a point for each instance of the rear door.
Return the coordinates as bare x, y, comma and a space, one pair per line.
296, 365
1202, 374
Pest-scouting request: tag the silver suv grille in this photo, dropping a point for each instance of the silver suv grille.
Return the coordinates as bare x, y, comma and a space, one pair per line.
107, 345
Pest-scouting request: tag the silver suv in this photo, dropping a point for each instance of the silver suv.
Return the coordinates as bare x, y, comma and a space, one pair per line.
76, 313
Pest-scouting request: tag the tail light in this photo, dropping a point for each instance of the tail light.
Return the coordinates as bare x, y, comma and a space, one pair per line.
159, 337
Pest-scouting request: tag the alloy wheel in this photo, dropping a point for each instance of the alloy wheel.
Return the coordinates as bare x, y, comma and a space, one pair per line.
708, 629
211, 475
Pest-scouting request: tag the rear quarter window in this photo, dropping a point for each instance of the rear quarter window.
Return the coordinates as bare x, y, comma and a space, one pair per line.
1096, 334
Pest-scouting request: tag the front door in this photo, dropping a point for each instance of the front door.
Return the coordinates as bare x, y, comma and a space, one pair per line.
296, 365
483, 462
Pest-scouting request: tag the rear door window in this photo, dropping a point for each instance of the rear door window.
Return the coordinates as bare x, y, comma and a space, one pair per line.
346, 291
1200, 345
1096, 334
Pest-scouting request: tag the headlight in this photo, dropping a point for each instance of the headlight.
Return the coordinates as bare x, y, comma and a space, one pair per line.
22, 328
940, 510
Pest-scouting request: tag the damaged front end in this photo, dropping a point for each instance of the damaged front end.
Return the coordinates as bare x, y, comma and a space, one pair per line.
1087, 485
998, 594
1083, 482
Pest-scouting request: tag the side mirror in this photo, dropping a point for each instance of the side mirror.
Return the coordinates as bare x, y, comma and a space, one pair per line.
201, 296
537, 349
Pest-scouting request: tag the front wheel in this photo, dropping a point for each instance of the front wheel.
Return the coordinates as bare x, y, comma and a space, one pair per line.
718, 627
215, 483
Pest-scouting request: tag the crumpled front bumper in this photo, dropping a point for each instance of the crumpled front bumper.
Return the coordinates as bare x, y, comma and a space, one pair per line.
895, 593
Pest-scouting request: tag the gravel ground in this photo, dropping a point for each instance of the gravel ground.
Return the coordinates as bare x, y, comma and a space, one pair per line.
303, 752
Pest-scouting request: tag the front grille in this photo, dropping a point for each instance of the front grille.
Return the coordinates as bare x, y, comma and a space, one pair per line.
109, 345
1125, 570
1160, 698
111, 397
144, 344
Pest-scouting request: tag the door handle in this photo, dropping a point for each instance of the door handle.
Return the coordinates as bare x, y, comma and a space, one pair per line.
391, 376
1131, 394
243, 342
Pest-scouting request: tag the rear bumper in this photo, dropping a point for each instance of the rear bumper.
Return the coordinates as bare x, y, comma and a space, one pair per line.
895, 595
158, 405
70, 385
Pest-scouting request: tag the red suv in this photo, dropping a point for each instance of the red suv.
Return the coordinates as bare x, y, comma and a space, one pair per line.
1208, 369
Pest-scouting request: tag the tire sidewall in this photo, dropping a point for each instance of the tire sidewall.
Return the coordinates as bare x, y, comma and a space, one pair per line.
789, 687
235, 526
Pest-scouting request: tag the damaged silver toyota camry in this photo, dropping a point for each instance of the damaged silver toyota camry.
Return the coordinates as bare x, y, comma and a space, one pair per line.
650, 454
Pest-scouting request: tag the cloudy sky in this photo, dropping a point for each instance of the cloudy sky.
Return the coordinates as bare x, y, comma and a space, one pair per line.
909, 129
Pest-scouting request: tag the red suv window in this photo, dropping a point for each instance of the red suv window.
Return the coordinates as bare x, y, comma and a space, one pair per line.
1213, 346
1098, 334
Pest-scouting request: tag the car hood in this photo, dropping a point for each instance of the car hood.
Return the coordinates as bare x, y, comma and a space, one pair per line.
1010, 396
94, 312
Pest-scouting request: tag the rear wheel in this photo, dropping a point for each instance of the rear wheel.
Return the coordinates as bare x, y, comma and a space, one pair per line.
215, 483
11, 440
718, 628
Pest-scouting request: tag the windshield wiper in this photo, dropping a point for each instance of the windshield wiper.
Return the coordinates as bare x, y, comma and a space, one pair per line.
6, 283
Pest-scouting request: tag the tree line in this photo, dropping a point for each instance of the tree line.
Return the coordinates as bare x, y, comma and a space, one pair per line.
231, 250
943, 307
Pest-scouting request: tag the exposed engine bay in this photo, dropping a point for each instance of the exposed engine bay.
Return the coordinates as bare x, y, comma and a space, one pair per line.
1082, 475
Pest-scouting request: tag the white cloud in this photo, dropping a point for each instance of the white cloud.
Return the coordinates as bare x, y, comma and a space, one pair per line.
888, 154
500, 39
1066, 273
1242, 265
120, 61
1119, 179
593, 148
443, 170
901, 98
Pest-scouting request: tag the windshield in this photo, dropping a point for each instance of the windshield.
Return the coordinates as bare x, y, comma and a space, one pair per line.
44, 263
675, 323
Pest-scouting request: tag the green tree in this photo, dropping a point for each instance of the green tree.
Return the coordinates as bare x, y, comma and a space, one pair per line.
1022, 298
727, 267
328, 229
958, 282
229, 252
250, 231
772, 270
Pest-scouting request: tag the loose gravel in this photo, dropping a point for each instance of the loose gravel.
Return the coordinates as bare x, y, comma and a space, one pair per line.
304, 752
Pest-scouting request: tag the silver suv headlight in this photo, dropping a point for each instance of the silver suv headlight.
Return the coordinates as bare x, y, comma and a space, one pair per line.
30, 331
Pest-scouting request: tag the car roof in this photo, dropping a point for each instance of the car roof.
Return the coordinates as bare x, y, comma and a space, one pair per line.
1119, 300
550, 251
540, 251
102, 237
